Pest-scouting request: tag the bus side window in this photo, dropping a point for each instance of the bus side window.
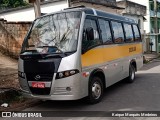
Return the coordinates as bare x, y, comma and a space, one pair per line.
128, 33
105, 31
88, 43
118, 32
136, 33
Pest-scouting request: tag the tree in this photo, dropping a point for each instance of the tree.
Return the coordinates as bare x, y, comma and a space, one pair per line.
12, 3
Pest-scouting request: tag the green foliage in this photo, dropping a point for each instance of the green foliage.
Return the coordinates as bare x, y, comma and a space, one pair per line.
12, 3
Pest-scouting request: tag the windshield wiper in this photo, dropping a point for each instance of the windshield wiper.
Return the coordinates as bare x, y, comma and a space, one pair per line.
53, 47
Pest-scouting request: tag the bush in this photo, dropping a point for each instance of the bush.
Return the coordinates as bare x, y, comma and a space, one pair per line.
12, 3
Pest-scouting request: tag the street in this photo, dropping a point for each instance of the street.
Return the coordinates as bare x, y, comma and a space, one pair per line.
142, 95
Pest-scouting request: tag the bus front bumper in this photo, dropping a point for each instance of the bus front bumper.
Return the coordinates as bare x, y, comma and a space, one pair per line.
63, 89
51, 97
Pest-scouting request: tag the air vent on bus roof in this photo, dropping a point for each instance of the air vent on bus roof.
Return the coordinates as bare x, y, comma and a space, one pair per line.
80, 6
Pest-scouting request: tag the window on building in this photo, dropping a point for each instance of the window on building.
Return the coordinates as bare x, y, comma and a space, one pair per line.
87, 44
128, 33
118, 32
105, 31
152, 26
151, 6
136, 33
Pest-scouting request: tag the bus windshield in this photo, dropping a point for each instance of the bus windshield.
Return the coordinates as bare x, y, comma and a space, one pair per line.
53, 34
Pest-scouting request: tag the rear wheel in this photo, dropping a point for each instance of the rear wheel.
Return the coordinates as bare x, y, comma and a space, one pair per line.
131, 76
95, 90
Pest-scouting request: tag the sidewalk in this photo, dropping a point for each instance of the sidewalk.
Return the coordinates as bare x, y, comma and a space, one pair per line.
150, 56
9, 86
8, 77
8, 72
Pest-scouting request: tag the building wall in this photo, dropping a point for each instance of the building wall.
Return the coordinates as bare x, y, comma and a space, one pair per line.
141, 2
12, 35
152, 35
28, 14
108, 3
99, 7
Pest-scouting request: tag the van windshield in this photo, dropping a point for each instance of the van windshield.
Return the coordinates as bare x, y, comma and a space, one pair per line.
53, 34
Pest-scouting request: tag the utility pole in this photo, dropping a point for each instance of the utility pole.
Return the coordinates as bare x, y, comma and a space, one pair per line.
69, 3
156, 26
37, 9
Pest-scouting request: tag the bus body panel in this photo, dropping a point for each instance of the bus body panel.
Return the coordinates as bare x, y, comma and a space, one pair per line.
114, 60
58, 89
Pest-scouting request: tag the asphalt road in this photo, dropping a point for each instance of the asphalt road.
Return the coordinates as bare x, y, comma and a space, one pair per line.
142, 95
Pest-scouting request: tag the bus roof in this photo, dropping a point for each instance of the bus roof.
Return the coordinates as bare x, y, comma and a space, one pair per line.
92, 11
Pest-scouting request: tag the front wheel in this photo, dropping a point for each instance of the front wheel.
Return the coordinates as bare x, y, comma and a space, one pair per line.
95, 90
131, 76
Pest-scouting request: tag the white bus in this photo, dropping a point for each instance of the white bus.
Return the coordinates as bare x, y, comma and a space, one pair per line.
77, 52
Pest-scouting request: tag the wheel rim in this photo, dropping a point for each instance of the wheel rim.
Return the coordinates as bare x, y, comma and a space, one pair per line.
132, 74
96, 90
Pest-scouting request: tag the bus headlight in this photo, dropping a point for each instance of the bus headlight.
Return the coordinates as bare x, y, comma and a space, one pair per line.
21, 74
67, 73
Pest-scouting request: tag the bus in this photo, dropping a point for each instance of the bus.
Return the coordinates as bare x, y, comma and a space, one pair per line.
77, 53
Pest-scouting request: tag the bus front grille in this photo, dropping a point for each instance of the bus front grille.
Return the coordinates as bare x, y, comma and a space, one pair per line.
42, 77
40, 91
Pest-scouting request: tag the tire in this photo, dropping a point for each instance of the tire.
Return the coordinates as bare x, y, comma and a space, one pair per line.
131, 77
95, 90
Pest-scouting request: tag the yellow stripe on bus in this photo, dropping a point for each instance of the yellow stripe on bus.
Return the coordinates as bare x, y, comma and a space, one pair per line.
101, 55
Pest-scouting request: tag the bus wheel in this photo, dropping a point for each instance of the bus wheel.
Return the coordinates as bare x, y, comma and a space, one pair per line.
95, 90
131, 76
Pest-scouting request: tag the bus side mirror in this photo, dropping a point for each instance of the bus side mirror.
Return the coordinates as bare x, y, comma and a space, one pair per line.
90, 33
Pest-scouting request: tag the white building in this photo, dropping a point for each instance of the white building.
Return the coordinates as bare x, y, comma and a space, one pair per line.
27, 13
49, 6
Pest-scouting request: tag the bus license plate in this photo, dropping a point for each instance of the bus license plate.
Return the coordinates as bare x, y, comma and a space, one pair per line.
38, 85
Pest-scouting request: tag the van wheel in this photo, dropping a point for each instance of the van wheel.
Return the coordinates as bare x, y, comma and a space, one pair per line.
131, 77
95, 90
